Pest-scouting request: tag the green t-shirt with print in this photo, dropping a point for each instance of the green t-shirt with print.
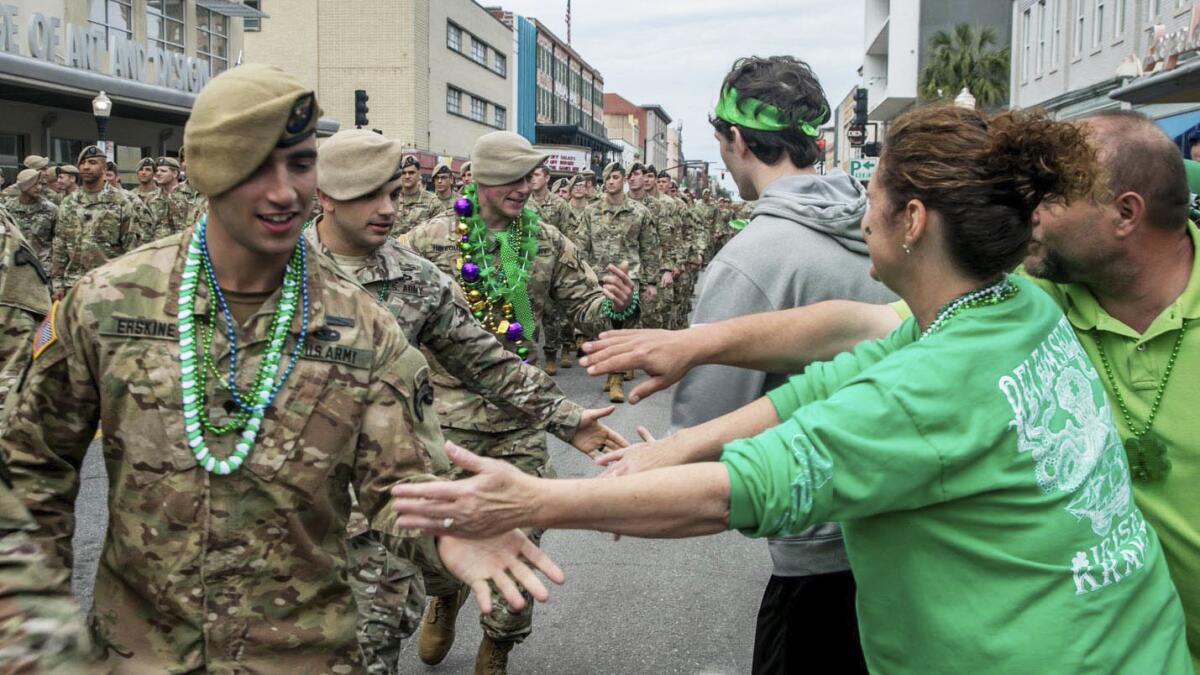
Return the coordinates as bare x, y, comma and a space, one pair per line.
984, 497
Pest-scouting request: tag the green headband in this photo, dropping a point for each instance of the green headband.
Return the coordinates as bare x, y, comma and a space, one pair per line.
754, 114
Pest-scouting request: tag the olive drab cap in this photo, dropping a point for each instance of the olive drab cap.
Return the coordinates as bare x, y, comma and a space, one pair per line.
239, 117
503, 157
356, 162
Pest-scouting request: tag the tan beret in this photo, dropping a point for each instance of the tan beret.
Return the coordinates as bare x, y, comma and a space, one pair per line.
90, 152
238, 118
650, 169
36, 162
27, 179
146, 161
558, 185
410, 160
169, 161
611, 167
52, 173
587, 173
69, 168
504, 157
356, 162
442, 167
466, 167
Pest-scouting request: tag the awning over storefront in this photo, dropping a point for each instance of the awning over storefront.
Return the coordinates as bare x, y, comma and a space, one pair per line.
228, 8
1181, 85
1178, 125
570, 134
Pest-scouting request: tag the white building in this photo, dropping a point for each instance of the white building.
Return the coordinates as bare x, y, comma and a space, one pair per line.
897, 40
1069, 55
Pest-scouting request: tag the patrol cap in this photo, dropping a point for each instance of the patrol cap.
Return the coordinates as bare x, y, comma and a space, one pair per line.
504, 157
442, 167
356, 162
239, 117
613, 167
169, 161
90, 152
27, 179
146, 161
36, 162
409, 160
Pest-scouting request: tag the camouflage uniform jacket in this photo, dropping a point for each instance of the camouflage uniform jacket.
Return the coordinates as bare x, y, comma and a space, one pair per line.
573, 218
24, 302
412, 210
41, 627
664, 226
446, 205
616, 232
237, 573
52, 195
557, 274
433, 313
551, 210
93, 228
37, 222
677, 249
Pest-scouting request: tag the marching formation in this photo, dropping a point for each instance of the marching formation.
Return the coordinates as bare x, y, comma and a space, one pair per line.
322, 392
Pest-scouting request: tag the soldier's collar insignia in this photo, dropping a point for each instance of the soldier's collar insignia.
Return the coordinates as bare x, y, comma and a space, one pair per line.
46, 333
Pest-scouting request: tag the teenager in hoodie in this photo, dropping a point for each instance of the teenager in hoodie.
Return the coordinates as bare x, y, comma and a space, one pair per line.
803, 245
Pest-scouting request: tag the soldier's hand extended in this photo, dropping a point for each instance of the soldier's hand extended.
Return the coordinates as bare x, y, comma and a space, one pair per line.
618, 287
504, 561
664, 355
593, 438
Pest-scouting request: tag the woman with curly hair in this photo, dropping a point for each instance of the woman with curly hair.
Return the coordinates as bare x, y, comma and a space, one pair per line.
970, 455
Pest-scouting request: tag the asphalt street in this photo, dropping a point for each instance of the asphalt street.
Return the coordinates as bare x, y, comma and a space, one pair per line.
630, 606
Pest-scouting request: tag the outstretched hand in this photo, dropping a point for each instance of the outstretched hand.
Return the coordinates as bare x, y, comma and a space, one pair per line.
633, 459
664, 355
503, 561
593, 438
617, 286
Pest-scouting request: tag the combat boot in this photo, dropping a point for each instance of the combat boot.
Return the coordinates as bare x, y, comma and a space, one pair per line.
564, 361
492, 658
551, 364
629, 376
437, 626
616, 388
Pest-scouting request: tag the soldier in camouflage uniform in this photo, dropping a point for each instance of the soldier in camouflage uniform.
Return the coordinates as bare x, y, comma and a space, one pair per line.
503, 161
416, 204
617, 228
52, 186
244, 572
96, 223
35, 216
41, 628
558, 334
35, 162
150, 194
181, 207
561, 189
358, 176
443, 188
640, 178
466, 177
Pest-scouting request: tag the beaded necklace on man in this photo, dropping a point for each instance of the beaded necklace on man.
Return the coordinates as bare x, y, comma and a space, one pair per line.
499, 296
1146, 452
195, 358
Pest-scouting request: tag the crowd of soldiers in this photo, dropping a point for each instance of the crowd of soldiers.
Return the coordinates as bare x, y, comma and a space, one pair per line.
206, 567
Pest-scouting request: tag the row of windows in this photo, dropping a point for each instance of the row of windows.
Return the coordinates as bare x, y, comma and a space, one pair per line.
165, 27
459, 102
1041, 28
457, 39
557, 110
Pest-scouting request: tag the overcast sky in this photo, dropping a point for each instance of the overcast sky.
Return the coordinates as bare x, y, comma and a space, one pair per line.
676, 52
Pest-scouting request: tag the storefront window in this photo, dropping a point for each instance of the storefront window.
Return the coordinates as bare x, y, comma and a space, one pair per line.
164, 24
12, 151
66, 150
253, 24
114, 16
212, 41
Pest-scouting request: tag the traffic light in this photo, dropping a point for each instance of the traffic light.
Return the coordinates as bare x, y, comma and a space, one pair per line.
860, 107
360, 108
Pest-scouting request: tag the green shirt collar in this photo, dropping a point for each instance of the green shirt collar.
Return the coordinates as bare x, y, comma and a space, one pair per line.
1085, 313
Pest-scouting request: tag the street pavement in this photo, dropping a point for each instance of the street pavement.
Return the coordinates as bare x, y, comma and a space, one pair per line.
630, 606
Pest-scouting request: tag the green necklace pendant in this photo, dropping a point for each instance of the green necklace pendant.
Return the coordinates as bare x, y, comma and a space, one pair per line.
1148, 461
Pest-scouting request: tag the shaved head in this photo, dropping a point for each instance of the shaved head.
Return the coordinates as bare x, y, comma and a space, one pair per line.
1140, 158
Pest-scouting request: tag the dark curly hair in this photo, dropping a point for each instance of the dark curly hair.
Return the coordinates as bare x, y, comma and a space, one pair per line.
985, 176
790, 85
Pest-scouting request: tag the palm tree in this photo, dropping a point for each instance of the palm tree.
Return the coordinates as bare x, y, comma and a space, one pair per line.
965, 58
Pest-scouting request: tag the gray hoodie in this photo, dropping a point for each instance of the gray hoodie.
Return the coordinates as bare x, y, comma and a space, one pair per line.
803, 245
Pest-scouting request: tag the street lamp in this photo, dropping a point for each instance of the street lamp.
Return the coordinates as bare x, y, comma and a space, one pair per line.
965, 99
101, 109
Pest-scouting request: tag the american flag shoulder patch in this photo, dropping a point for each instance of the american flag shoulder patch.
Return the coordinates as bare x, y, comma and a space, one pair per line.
46, 334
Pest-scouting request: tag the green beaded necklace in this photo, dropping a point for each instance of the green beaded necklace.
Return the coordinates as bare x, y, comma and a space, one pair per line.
1147, 453
195, 360
983, 297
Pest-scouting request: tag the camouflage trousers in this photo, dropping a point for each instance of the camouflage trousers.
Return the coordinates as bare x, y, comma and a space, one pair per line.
525, 449
390, 594
654, 312
558, 331
682, 307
